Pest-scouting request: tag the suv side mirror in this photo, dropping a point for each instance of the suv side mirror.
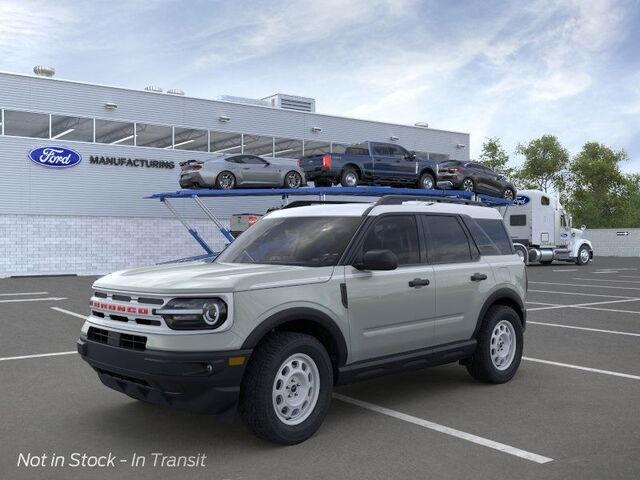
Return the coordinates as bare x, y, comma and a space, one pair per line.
378, 260
411, 155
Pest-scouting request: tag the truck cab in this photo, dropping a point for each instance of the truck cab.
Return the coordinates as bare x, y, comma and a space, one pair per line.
541, 227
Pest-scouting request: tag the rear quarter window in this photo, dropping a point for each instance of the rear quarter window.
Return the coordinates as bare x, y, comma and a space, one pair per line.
490, 236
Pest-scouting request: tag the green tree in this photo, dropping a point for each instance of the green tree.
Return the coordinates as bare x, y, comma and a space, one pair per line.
495, 157
545, 164
601, 196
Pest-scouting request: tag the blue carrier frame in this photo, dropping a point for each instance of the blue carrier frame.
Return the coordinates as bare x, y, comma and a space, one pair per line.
321, 192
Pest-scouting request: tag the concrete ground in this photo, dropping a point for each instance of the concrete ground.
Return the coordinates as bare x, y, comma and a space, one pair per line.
571, 412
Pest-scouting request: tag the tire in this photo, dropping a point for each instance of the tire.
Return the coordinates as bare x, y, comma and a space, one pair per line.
499, 321
292, 180
427, 181
509, 194
584, 256
225, 180
323, 183
259, 391
349, 177
468, 185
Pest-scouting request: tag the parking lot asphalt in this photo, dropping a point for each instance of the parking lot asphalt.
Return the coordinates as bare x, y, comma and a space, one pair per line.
572, 411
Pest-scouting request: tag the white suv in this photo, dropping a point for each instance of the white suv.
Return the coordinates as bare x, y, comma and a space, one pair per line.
310, 297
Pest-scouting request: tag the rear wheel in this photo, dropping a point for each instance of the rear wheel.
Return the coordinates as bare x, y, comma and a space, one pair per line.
349, 177
468, 185
293, 180
584, 255
225, 180
286, 390
499, 351
427, 182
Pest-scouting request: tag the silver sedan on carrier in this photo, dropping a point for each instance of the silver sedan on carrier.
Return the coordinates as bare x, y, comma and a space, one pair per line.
241, 170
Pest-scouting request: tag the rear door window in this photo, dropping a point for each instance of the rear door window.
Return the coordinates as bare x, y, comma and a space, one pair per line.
448, 242
490, 236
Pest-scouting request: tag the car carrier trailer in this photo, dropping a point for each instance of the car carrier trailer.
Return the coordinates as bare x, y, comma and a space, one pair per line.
197, 195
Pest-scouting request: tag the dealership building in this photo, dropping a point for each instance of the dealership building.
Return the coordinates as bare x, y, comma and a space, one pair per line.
92, 217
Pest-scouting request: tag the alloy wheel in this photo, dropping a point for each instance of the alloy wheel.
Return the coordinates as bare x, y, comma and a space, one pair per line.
295, 389
293, 180
467, 185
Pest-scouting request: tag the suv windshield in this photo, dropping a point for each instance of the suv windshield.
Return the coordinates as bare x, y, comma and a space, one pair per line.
302, 241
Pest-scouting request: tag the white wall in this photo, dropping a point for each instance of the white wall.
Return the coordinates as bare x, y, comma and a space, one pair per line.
607, 242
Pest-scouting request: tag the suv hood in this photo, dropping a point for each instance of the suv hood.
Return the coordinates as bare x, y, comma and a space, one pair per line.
204, 277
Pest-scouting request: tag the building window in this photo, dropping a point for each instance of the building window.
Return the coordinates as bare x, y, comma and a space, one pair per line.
190, 139
339, 148
257, 145
71, 128
287, 148
316, 148
157, 136
226, 142
114, 133
26, 124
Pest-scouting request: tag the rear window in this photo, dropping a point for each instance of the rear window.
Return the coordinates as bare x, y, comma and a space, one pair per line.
361, 149
449, 163
447, 241
518, 220
490, 236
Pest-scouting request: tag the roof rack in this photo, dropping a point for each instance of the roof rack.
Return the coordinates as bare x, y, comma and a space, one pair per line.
388, 196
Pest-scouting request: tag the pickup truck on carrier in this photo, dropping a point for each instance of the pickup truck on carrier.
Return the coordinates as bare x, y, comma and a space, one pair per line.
371, 163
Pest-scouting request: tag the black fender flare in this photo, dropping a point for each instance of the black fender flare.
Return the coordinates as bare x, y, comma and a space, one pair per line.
511, 297
297, 314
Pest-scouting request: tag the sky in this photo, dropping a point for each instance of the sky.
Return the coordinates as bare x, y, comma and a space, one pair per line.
513, 70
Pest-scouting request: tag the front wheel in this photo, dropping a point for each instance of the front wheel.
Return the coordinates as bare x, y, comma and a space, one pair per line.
584, 255
286, 390
427, 182
293, 180
499, 350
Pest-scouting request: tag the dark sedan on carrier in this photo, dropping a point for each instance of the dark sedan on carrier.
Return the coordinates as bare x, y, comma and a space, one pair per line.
241, 170
475, 177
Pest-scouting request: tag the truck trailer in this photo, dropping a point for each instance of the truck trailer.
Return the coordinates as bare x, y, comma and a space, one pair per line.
541, 230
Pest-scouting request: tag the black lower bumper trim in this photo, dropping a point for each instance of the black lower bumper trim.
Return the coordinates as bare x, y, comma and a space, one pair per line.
200, 382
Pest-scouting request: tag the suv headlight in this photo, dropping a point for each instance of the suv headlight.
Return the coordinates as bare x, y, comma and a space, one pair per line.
194, 313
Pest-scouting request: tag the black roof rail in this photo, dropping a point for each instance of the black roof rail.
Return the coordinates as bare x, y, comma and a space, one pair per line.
399, 199
306, 203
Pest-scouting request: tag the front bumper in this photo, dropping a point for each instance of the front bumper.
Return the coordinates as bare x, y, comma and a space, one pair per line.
200, 382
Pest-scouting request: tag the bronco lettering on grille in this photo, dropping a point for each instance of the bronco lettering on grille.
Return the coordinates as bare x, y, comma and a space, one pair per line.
110, 307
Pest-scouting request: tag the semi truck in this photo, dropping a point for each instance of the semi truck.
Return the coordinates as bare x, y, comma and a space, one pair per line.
541, 230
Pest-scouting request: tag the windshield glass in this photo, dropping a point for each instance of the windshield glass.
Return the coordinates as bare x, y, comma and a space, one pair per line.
302, 241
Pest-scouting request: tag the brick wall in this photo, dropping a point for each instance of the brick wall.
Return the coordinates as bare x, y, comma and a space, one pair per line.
50, 245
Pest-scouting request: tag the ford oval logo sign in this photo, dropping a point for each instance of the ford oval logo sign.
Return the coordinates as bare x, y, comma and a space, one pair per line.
55, 157
521, 200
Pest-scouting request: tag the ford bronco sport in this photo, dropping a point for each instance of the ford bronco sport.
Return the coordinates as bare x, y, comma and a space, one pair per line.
309, 298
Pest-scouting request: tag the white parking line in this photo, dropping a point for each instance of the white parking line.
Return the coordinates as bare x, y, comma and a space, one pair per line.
22, 293
608, 280
542, 303
609, 309
579, 367
598, 330
582, 294
48, 299
566, 270
485, 442
68, 312
23, 357
588, 286
584, 305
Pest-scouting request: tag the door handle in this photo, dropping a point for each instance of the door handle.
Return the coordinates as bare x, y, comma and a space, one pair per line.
477, 277
419, 282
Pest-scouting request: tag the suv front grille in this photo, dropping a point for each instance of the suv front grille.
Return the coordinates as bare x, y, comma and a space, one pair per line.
115, 339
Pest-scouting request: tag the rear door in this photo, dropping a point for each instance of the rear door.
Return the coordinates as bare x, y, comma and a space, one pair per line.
383, 162
388, 312
462, 277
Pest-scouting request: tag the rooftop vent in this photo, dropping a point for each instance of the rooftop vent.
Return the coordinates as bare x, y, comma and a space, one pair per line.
244, 100
422, 124
175, 91
292, 102
153, 88
44, 71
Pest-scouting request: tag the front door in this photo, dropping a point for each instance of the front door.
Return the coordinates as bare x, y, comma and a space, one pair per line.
462, 278
391, 311
258, 171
